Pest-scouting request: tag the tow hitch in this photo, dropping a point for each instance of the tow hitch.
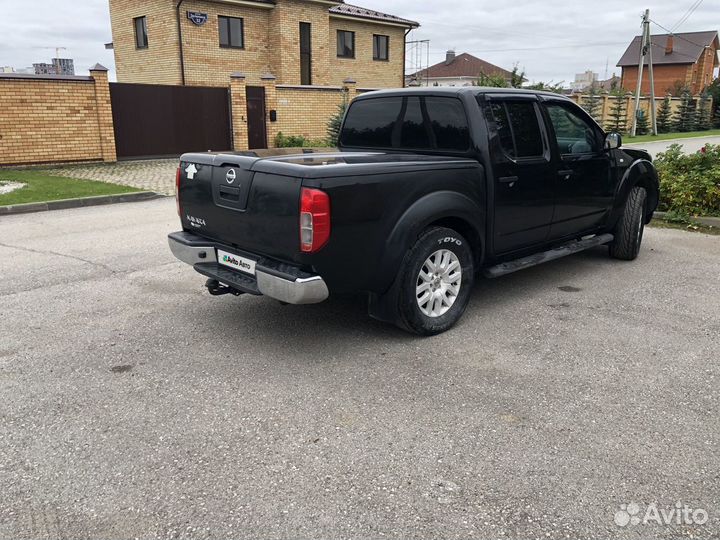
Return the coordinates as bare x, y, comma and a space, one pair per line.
216, 288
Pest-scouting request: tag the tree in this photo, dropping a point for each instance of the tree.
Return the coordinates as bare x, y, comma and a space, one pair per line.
517, 77
703, 113
492, 81
592, 102
335, 124
684, 118
664, 116
713, 91
618, 112
550, 86
642, 123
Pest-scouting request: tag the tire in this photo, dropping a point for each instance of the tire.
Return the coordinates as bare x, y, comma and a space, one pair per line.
630, 228
452, 258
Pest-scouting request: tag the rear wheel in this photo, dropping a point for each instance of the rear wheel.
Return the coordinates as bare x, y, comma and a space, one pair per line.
630, 228
435, 282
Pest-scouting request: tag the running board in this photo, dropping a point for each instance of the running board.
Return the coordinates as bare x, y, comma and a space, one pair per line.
546, 256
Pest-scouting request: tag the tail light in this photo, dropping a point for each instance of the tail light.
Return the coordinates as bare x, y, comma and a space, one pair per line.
314, 220
177, 191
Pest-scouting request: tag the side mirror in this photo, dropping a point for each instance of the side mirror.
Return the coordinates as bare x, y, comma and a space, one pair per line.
612, 141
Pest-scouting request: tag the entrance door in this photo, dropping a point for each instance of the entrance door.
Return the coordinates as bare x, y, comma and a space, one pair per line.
305, 53
257, 129
585, 185
524, 173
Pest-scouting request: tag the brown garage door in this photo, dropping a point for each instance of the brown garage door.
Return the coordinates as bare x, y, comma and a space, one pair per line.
154, 120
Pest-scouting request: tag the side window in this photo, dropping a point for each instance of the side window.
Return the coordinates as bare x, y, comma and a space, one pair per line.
370, 123
449, 123
574, 133
518, 128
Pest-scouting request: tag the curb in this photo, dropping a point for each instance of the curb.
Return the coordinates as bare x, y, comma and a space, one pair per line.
707, 221
64, 204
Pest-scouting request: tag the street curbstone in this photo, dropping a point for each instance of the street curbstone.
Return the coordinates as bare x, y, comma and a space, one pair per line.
82, 202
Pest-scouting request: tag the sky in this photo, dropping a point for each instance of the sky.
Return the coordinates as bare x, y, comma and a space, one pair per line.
551, 40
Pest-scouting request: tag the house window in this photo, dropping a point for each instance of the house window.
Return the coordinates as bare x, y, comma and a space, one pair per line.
141, 36
381, 47
305, 53
232, 32
345, 44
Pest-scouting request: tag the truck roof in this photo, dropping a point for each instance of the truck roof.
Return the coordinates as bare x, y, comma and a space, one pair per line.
456, 90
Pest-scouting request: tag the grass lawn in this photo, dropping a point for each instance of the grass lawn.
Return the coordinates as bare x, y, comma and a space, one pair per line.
666, 136
42, 187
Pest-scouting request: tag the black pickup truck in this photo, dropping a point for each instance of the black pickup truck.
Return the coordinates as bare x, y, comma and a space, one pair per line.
430, 188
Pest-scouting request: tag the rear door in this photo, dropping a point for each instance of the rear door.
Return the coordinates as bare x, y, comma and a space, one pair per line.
524, 175
584, 182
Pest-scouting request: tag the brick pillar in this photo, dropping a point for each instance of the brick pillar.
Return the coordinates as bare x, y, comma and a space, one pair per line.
238, 101
99, 74
268, 81
350, 89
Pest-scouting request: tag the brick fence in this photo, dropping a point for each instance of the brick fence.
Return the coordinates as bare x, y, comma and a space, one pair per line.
69, 119
606, 103
56, 119
300, 110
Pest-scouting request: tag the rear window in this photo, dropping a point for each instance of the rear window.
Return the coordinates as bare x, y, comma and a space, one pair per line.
411, 123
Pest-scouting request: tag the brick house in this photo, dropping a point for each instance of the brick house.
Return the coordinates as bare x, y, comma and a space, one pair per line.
457, 70
688, 59
299, 42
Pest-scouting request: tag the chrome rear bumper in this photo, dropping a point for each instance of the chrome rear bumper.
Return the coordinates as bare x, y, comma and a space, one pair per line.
286, 284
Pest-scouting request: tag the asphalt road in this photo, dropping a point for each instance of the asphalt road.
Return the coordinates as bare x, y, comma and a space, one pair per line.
690, 145
133, 404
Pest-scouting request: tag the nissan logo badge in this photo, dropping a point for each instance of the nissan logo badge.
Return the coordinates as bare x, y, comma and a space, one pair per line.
231, 176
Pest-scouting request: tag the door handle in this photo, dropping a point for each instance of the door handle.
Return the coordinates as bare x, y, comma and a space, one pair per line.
566, 174
508, 179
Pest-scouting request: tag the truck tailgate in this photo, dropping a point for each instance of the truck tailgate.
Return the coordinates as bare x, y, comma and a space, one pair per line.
222, 198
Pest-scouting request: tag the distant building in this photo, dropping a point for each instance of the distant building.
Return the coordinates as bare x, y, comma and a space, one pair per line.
66, 65
7, 69
43, 68
584, 81
457, 70
679, 60
59, 66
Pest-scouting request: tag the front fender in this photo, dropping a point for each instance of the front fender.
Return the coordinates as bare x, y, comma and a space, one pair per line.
644, 172
431, 208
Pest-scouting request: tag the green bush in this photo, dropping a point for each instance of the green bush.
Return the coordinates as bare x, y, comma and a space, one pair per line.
297, 141
690, 184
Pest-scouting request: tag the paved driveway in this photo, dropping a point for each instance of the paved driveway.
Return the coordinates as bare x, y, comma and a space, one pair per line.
156, 175
690, 146
135, 405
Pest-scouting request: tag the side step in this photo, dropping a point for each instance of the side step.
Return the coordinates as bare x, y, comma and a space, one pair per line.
538, 258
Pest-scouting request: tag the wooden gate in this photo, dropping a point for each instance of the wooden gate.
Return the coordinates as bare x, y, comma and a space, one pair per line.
154, 120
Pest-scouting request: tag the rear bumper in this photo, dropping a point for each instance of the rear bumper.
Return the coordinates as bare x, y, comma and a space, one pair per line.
282, 282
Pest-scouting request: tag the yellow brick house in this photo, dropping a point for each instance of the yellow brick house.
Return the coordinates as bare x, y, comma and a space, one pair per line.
298, 42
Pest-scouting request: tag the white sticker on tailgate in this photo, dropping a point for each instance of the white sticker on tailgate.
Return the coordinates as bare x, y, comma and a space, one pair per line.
236, 262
